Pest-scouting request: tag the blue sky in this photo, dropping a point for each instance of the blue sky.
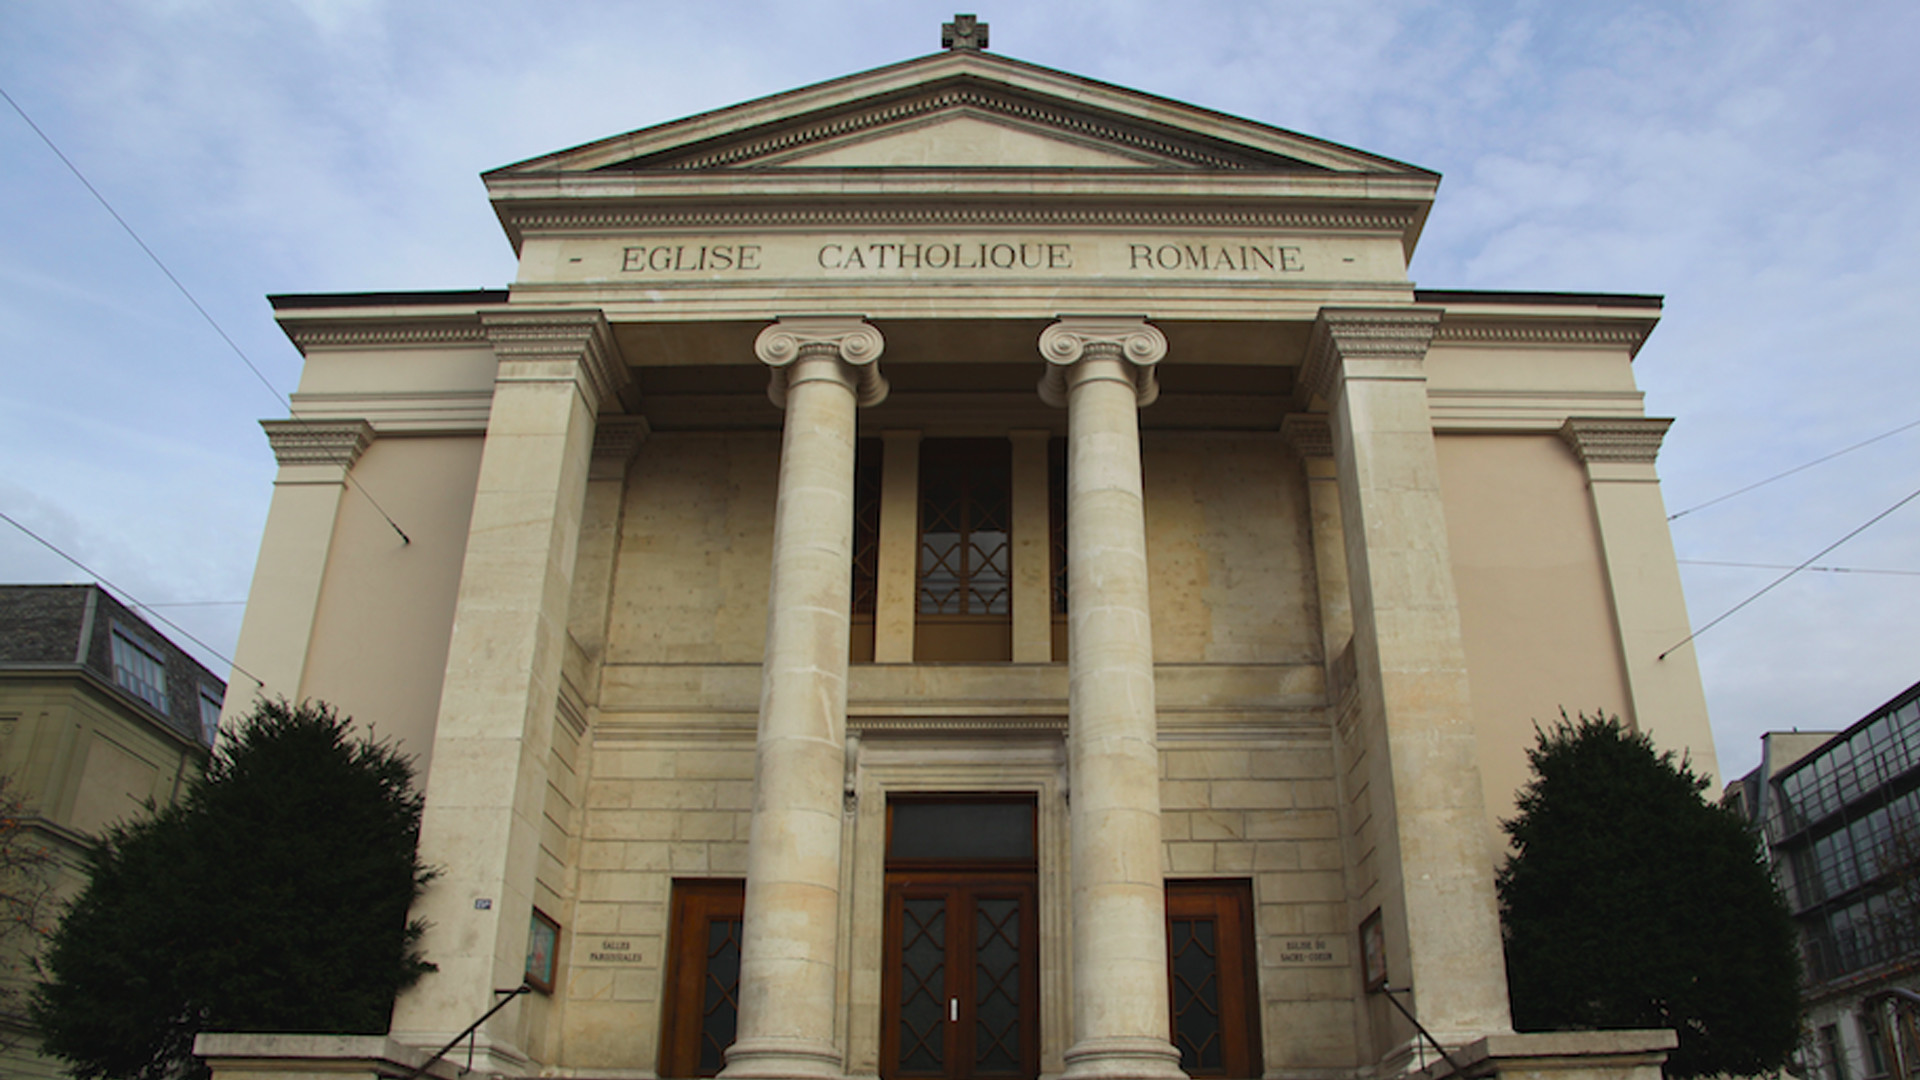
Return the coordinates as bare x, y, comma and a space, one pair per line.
1755, 162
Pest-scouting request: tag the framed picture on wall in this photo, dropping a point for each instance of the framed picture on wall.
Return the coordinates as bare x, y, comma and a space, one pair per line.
1373, 951
543, 951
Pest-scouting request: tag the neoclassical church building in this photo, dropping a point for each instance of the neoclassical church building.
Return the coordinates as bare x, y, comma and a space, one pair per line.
966, 571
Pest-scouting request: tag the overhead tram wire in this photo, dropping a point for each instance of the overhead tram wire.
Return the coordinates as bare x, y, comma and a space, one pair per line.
1797, 468
1870, 523
131, 599
1785, 566
345, 476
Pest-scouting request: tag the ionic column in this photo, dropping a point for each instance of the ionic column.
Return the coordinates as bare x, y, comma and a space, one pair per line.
1436, 867
487, 789
822, 366
1101, 369
1649, 610
315, 457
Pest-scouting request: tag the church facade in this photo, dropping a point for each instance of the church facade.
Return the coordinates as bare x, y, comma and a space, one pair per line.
963, 570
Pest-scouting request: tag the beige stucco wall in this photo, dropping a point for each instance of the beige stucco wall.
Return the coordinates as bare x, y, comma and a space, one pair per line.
1535, 611
379, 648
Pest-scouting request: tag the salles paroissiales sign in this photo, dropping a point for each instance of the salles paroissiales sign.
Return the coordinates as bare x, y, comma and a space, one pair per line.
1244, 258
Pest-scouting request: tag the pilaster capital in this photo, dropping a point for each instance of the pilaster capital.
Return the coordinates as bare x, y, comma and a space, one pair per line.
847, 338
1341, 335
1309, 434
318, 442
616, 440
1125, 337
1621, 440
579, 337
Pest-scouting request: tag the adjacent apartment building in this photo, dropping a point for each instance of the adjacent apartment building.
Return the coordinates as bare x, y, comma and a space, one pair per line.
100, 716
1841, 816
964, 570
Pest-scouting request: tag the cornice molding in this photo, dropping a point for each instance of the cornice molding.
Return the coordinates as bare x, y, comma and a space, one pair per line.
1130, 338
957, 98
546, 217
1343, 334
1615, 441
1557, 333
578, 337
318, 442
848, 338
1309, 434
463, 329
616, 442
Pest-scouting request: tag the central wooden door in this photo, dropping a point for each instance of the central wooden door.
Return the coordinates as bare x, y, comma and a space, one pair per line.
960, 989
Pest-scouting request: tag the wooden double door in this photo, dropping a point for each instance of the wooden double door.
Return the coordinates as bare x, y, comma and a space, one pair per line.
960, 985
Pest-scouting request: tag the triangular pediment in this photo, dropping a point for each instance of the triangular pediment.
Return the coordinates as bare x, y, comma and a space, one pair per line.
965, 139
962, 111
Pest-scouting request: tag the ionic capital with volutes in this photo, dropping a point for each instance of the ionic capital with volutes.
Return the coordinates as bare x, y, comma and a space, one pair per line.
577, 341
1342, 336
1615, 440
1128, 338
849, 339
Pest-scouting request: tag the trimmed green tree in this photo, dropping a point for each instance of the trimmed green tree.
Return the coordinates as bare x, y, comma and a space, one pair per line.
272, 897
1630, 902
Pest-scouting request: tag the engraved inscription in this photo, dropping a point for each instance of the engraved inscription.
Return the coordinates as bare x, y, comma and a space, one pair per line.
1311, 952
615, 951
1271, 258
690, 258
715, 258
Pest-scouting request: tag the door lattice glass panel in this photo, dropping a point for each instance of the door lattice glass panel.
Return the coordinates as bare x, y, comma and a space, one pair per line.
703, 977
996, 987
961, 986
720, 1016
1196, 993
1210, 976
923, 986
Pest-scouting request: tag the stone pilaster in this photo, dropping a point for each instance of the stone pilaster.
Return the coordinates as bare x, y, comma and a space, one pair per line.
492, 743
789, 951
1435, 864
314, 457
616, 442
1649, 610
1311, 437
1101, 369
895, 592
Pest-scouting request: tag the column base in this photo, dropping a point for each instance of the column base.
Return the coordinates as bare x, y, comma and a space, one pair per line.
1123, 1059
782, 1059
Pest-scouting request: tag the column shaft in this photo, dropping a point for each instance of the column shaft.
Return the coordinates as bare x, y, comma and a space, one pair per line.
1120, 1017
790, 940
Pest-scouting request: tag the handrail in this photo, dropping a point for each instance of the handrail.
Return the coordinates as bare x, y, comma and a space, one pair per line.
471, 1028
1458, 1070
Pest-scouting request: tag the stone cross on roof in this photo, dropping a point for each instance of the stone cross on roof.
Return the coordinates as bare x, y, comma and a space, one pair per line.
964, 32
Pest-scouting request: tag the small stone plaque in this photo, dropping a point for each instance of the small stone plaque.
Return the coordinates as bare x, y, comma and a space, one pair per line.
615, 951
1310, 951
